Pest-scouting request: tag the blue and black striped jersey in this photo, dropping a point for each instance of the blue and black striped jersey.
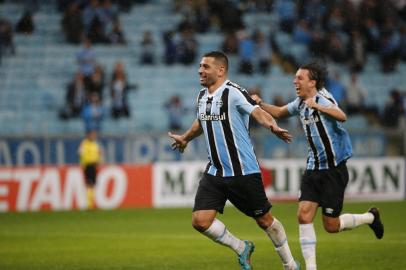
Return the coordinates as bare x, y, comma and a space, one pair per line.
224, 117
328, 142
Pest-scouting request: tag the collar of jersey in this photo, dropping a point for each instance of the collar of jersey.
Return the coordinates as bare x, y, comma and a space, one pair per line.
218, 90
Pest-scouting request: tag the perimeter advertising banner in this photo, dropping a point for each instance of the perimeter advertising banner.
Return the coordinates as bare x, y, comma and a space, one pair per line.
63, 188
370, 179
174, 184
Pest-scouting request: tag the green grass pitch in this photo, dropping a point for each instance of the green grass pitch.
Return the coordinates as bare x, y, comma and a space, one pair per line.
164, 239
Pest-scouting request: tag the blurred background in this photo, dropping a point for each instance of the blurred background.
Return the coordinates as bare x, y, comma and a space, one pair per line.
128, 68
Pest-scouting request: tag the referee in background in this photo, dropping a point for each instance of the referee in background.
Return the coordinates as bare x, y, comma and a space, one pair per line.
90, 156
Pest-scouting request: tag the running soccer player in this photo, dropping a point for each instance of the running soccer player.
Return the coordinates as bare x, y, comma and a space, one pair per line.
223, 111
326, 176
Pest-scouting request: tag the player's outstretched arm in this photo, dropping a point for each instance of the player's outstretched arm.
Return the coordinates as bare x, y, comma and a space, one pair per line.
266, 120
333, 110
275, 111
180, 141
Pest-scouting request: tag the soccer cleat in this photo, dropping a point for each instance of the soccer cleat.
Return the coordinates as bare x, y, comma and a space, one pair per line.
376, 225
244, 257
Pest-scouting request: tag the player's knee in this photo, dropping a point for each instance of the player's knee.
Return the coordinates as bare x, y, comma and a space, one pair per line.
304, 217
201, 225
264, 221
331, 227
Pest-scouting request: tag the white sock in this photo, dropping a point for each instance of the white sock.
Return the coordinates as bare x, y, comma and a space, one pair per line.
219, 233
350, 221
307, 237
277, 234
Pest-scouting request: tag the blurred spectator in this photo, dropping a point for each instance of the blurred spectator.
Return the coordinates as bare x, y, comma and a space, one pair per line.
336, 88
72, 24
93, 113
75, 98
116, 36
371, 32
86, 58
389, 52
147, 52
26, 24
393, 109
230, 43
286, 11
96, 19
355, 95
187, 47
233, 20
302, 33
6, 38
403, 42
176, 110
337, 47
246, 53
263, 52
356, 51
119, 88
95, 83
202, 15
170, 48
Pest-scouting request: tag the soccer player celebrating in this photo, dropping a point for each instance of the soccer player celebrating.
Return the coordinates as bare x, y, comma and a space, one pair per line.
223, 111
326, 176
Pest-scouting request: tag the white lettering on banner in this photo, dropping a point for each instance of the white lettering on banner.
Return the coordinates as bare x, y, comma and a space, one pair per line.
175, 183
75, 189
4, 175
28, 147
26, 178
377, 179
44, 187
5, 155
48, 191
119, 180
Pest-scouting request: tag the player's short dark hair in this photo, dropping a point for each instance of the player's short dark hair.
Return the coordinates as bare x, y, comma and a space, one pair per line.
219, 56
317, 72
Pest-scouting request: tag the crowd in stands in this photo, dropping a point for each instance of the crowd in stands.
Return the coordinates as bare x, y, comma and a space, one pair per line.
343, 32
98, 20
85, 93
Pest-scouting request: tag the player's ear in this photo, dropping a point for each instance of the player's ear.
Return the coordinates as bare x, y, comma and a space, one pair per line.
313, 83
222, 70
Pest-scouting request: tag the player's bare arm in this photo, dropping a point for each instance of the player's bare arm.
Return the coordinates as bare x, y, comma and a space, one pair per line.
266, 120
275, 111
181, 141
333, 110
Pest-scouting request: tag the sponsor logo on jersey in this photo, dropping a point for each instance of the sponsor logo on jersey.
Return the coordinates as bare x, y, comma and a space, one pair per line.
213, 117
311, 119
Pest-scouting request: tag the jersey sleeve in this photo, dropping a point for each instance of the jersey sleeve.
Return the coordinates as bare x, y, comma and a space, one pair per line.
243, 101
293, 107
325, 101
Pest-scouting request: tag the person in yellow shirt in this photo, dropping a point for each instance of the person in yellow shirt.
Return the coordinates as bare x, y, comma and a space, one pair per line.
90, 156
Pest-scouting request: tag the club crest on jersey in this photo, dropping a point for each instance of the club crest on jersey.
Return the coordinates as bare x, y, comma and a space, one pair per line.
213, 117
219, 103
